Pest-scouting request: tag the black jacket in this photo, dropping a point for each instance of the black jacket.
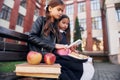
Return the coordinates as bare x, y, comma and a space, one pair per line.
37, 41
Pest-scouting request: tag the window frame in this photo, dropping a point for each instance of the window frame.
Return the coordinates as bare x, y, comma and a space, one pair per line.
97, 23
81, 7
69, 9
20, 20
83, 23
5, 12
95, 5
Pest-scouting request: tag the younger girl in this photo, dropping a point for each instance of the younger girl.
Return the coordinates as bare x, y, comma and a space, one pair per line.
88, 69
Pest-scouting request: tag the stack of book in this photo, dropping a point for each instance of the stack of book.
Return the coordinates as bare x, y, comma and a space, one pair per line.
42, 70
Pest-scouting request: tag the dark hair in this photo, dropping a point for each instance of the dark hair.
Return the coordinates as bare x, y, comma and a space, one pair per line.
68, 29
47, 28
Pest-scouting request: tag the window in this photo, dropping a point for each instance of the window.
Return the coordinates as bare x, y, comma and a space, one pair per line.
71, 25
118, 13
38, 1
37, 11
95, 5
20, 20
81, 7
71, 30
23, 3
69, 9
96, 23
5, 12
119, 42
117, 7
82, 23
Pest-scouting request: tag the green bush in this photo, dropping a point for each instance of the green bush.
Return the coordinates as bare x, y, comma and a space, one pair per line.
8, 66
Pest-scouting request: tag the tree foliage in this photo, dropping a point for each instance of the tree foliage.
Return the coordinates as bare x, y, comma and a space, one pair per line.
77, 33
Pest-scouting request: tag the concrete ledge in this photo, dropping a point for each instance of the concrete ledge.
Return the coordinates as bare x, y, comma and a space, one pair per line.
115, 59
97, 55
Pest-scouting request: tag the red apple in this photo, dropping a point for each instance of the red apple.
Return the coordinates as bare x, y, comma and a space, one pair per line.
49, 58
34, 57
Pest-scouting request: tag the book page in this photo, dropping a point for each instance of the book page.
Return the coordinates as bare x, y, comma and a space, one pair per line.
77, 42
78, 56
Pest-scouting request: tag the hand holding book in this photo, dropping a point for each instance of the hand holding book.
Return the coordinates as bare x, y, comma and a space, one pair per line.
76, 43
69, 48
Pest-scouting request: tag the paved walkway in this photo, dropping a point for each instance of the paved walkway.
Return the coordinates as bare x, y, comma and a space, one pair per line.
106, 71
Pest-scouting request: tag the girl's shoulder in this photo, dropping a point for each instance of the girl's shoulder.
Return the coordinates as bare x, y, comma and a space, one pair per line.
41, 18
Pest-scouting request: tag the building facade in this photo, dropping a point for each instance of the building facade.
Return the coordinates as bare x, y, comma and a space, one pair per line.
20, 14
112, 12
89, 13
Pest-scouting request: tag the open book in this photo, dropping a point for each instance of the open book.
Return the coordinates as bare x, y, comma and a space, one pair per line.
77, 55
77, 42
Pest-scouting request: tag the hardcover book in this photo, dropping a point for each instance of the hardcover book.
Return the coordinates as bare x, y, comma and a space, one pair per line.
41, 70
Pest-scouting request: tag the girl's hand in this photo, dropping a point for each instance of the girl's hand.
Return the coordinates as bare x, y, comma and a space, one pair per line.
73, 48
60, 46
